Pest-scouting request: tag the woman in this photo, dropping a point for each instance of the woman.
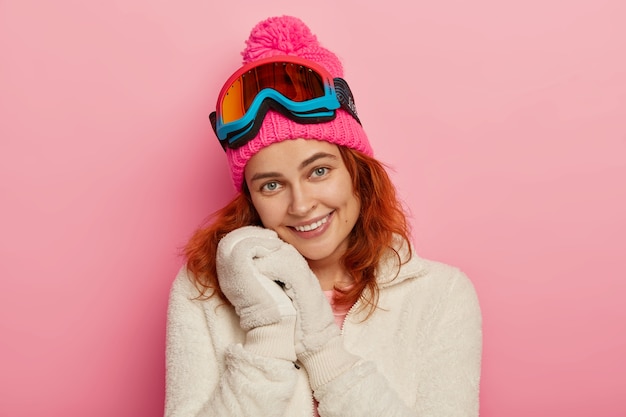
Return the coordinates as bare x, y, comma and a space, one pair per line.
303, 295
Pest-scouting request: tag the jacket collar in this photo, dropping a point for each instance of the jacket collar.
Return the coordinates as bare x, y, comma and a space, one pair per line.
399, 265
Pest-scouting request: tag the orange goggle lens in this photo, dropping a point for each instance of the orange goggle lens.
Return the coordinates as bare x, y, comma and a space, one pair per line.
294, 81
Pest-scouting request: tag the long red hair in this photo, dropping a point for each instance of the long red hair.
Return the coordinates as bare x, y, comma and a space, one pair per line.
382, 216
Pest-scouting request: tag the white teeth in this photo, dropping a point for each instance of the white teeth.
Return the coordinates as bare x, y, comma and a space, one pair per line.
312, 226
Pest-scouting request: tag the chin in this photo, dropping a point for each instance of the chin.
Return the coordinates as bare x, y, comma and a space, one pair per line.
315, 254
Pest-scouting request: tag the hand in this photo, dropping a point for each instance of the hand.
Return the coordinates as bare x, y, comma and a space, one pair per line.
318, 343
315, 322
264, 310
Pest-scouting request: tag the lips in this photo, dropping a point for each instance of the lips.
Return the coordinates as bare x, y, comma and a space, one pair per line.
312, 226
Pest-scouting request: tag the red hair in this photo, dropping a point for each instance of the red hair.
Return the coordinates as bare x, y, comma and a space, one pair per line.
382, 216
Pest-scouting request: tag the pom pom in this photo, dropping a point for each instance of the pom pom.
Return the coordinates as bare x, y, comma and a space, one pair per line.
287, 35
284, 35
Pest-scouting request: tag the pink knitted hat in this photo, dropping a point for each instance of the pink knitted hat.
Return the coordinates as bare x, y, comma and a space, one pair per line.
288, 35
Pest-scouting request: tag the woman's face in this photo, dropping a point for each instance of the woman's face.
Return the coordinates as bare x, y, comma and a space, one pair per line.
303, 191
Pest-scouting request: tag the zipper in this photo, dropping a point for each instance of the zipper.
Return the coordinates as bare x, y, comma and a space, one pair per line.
354, 306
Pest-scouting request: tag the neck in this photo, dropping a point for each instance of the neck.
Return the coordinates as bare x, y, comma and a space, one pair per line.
330, 274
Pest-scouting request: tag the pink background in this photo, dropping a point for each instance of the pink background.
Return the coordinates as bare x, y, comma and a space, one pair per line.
504, 123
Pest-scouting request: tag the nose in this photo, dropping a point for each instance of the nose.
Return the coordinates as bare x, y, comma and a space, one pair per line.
302, 201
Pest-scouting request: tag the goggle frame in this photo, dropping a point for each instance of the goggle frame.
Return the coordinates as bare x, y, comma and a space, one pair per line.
238, 132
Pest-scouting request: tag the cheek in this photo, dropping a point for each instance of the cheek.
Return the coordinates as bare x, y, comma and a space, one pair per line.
352, 204
269, 212
342, 192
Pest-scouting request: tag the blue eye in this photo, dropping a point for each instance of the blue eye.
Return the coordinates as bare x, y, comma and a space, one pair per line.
320, 172
270, 186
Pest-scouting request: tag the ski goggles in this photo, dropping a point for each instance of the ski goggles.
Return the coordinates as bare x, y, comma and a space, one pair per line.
301, 90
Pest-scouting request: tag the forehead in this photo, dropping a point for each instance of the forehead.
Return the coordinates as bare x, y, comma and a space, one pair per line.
289, 154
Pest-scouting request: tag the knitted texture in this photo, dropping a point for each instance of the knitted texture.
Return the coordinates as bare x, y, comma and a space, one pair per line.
287, 35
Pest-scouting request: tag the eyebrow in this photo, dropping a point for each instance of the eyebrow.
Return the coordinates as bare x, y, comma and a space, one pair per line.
263, 175
303, 164
315, 157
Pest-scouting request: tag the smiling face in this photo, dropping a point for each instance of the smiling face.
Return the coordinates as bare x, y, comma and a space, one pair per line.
303, 191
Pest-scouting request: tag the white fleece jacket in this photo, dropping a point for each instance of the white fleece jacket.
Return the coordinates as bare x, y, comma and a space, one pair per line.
420, 350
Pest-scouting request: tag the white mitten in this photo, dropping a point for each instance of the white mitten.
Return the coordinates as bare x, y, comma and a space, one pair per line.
318, 338
264, 310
